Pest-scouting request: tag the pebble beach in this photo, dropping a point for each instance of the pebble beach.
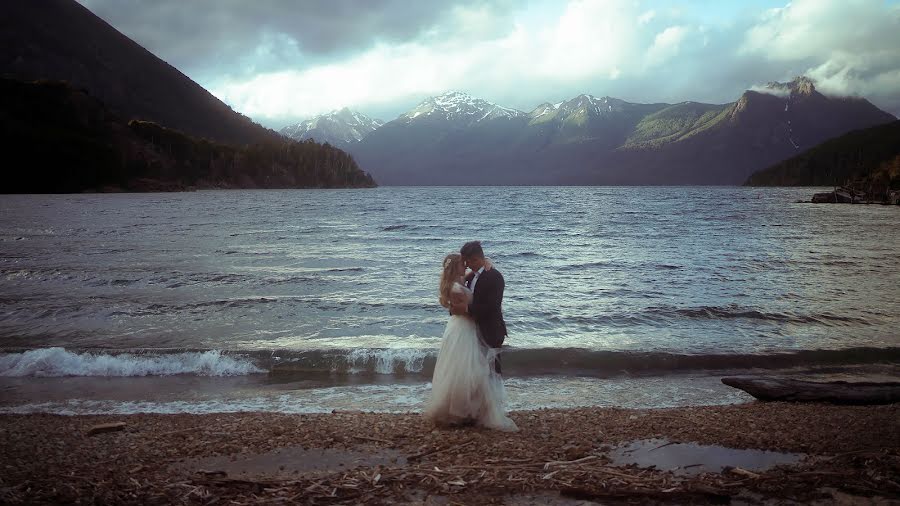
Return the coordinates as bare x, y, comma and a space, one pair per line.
841, 454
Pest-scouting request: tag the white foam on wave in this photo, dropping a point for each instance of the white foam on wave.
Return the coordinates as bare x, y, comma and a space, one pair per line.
54, 362
373, 398
99, 407
388, 360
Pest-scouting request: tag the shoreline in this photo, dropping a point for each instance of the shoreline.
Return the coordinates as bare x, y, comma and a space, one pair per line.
351, 457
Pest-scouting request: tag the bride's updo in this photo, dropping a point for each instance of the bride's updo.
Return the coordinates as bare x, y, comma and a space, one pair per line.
451, 273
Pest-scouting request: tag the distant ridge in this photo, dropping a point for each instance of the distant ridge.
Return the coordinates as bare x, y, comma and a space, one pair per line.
62, 40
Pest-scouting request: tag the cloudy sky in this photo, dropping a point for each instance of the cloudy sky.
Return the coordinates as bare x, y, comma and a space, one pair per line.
279, 61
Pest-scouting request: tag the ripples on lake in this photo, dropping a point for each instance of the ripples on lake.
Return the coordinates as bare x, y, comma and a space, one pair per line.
686, 270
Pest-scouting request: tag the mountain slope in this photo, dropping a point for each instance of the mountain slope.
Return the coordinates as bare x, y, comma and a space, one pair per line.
674, 123
86, 108
756, 131
871, 153
58, 139
61, 40
341, 128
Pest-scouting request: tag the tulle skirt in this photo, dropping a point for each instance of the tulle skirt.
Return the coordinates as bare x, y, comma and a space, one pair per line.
465, 387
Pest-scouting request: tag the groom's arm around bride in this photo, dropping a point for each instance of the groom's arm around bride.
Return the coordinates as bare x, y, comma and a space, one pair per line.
486, 307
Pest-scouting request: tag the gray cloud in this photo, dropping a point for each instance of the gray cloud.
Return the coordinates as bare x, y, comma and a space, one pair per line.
281, 61
238, 36
849, 47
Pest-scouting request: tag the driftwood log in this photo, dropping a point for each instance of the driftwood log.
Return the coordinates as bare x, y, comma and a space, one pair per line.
835, 392
106, 427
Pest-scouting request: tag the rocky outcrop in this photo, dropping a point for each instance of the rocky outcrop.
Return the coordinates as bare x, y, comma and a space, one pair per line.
836, 392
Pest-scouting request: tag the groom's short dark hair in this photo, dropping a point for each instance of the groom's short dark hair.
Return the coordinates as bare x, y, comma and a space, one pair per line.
472, 249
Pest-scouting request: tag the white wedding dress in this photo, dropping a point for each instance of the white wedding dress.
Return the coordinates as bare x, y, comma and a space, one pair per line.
465, 386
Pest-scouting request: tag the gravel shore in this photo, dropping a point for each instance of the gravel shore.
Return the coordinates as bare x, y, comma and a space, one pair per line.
558, 457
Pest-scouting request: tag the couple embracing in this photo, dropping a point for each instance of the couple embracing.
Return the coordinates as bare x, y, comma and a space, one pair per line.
467, 388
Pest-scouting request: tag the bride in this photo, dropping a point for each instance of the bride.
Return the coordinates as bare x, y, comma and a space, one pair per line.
465, 388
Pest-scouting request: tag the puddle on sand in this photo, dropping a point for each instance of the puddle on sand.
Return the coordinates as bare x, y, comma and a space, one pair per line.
290, 462
691, 458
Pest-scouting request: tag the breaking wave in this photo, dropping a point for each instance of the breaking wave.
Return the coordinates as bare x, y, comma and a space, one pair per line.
415, 362
55, 362
566, 361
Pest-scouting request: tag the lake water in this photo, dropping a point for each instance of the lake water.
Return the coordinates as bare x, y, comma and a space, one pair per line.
321, 299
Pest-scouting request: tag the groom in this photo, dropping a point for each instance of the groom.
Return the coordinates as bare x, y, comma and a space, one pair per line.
487, 287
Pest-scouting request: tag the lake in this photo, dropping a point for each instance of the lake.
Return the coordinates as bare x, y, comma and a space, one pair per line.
314, 300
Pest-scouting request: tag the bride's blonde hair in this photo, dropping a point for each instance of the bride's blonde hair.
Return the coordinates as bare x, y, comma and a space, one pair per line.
448, 277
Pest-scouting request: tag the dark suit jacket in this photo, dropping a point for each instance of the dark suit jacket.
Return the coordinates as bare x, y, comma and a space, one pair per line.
486, 306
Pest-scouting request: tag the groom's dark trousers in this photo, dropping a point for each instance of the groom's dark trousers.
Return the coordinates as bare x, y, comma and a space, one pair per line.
486, 308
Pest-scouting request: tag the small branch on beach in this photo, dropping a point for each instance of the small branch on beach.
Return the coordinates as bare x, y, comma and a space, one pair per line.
440, 450
624, 476
214, 473
181, 431
550, 475
511, 466
701, 493
75, 477
820, 473
568, 462
742, 472
315, 485
664, 445
871, 451
367, 438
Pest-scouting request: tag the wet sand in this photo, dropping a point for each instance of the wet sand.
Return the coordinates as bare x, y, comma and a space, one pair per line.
830, 454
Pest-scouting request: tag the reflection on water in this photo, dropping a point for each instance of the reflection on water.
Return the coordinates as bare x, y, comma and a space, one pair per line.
692, 458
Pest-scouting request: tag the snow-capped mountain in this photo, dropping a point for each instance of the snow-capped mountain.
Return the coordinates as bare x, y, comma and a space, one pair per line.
341, 128
582, 110
544, 112
459, 108
591, 104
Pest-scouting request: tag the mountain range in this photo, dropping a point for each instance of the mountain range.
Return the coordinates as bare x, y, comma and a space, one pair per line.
457, 139
62, 40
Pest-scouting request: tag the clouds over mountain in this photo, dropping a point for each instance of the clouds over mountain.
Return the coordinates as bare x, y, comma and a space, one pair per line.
277, 61
850, 47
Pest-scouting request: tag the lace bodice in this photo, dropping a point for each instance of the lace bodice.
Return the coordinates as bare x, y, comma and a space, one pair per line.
459, 288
